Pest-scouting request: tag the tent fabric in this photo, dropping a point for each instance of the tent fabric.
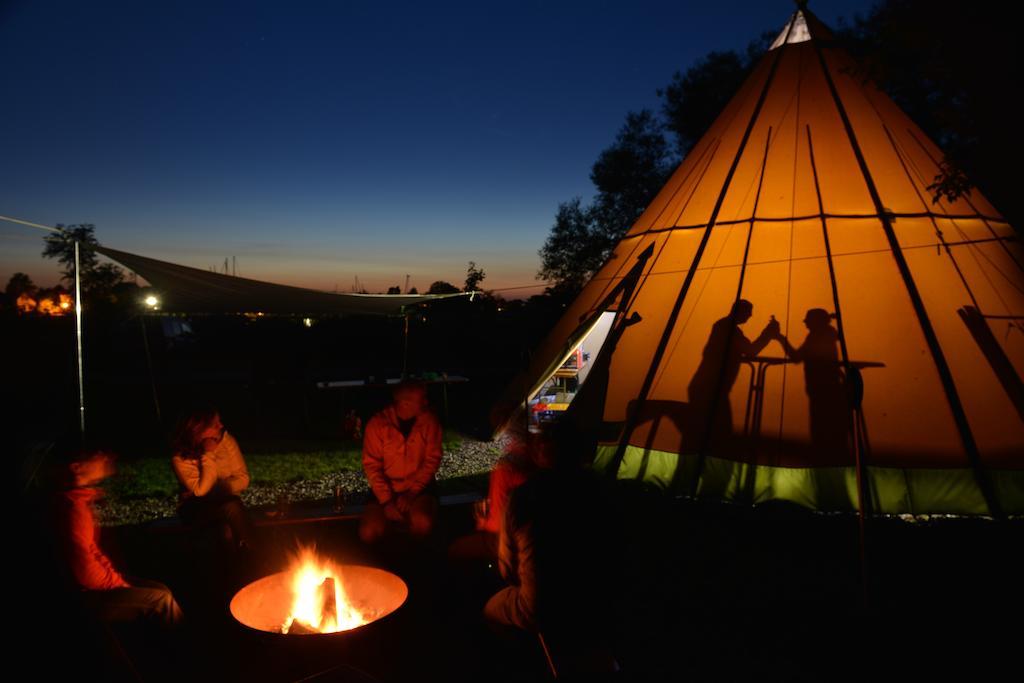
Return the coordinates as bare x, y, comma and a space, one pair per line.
810, 197
183, 289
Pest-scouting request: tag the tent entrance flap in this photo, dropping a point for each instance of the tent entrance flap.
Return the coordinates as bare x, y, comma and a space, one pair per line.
553, 395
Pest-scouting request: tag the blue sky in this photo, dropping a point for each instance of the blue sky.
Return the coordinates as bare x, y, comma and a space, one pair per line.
317, 142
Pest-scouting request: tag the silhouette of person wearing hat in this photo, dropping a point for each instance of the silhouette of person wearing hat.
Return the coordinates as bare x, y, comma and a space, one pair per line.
823, 380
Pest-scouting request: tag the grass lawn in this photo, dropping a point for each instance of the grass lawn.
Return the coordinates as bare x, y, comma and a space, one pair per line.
269, 463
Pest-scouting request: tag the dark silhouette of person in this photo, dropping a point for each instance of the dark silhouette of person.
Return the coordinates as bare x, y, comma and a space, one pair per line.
823, 380
726, 349
525, 455
555, 533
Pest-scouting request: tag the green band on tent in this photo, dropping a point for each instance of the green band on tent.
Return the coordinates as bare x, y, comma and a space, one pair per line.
827, 489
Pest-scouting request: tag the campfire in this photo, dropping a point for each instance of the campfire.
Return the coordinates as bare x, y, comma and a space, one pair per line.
315, 595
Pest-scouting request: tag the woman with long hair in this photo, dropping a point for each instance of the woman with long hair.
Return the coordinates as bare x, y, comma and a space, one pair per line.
212, 472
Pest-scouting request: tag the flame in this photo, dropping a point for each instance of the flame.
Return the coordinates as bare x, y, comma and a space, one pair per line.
308, 612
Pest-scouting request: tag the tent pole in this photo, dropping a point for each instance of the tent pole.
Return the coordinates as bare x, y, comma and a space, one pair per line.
149, 364
78, 337
526, 390
857, 427
705, 443
659, 351
405, 347
942, 367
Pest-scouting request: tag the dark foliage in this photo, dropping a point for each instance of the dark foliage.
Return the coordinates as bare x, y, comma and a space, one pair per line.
950, 66
442, 287
627, 175
19, 284
98, 279
474, 276
575, 247
695, 98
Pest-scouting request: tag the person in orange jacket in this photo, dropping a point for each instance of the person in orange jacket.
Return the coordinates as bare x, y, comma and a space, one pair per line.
401, 454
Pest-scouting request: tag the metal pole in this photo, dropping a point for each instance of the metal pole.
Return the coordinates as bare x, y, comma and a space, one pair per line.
405, 348
78, 334
149, 364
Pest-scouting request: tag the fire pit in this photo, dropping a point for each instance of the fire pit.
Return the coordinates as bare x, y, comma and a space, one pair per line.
317, 596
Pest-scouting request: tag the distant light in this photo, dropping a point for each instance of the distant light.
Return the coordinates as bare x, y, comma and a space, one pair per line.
152, 302
308, 322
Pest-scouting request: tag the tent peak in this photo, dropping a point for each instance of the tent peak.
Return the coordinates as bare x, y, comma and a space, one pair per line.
795, 31
801, 27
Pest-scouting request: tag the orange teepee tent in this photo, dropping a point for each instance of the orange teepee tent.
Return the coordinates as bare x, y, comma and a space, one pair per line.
795, 317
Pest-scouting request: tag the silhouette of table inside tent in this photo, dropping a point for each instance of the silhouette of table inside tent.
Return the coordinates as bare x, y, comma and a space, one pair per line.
755, 394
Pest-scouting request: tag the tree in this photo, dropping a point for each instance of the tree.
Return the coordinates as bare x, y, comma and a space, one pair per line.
442, 287
575, 248
474, 276
949, 65
394, 290
694, 98
627, 175
97, 278
19, 284
630, 172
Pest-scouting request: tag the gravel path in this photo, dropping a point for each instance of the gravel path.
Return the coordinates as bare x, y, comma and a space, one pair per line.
468, 458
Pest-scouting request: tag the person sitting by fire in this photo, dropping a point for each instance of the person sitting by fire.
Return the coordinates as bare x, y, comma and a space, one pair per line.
524, 455
401, 454
113, 597
212, 472
554, 533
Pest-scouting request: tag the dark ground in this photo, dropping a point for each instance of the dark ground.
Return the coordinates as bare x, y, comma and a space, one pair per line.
694, 592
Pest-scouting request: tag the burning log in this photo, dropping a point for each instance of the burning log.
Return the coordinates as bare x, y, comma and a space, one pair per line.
296, 627
327, 615
329, 601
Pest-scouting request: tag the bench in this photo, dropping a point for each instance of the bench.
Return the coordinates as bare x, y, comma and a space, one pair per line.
304, 512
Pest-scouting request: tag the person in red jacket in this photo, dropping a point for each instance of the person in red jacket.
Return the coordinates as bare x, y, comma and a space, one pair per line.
525, 454
401, 454
114, 597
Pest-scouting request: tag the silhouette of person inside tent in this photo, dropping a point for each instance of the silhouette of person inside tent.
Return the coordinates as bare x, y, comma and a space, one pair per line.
727, 347
823, 380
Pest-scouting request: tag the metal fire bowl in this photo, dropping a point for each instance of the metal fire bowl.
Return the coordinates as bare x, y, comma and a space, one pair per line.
264, 604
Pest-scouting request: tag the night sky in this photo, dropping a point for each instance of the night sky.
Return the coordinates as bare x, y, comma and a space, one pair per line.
317, 142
